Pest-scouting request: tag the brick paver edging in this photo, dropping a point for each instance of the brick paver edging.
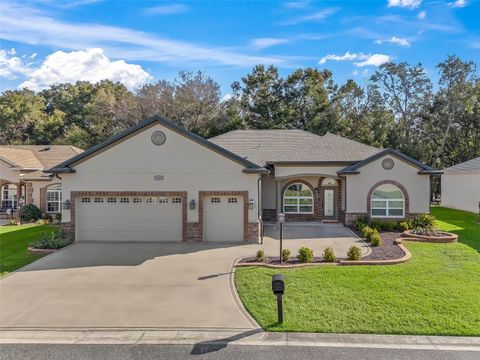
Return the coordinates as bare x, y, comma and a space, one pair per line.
447, 238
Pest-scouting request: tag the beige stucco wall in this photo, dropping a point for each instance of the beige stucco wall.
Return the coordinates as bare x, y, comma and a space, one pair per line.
6, 172
185, 165
284, 171
268, 192
461, 191
417, 186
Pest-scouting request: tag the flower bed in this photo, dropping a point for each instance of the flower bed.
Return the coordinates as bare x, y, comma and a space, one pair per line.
442, 237
35, 251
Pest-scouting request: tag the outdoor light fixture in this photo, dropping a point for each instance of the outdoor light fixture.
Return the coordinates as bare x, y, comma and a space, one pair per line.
192, 204
278, 288
66, 204
251, 204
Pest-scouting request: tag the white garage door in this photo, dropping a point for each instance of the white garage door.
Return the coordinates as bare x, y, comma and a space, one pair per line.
128, 218
223, 218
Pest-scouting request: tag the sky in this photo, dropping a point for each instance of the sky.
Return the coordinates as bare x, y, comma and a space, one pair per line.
45, 42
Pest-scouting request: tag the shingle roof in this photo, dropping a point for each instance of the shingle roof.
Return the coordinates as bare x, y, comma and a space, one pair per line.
274, 146
37, 157
467, 166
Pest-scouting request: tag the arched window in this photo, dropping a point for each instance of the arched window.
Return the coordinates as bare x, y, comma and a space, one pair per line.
9, 196
298, 199
387, 201
54, 198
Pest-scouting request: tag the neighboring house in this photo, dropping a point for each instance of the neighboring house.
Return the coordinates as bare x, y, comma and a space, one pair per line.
22, 179
461, 186
159, 182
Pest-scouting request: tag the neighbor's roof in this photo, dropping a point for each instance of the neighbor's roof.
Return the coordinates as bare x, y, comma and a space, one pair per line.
282, 146
36, 157
467, 166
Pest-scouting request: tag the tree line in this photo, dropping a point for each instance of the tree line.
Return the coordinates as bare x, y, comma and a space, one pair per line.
399, 107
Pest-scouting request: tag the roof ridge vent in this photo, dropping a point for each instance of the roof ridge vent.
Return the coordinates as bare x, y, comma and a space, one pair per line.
46, 148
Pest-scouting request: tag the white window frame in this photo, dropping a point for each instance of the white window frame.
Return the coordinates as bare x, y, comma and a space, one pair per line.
9, 196
387, 205
298, 198
54, 189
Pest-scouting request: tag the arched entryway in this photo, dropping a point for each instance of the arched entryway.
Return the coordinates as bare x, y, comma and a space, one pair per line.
329, 195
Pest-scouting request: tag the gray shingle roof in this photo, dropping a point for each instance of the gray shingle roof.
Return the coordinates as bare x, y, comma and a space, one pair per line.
274, 146
37, 156
467, 166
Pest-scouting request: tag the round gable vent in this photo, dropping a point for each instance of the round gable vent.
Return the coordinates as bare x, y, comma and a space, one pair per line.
388, 164
158, 138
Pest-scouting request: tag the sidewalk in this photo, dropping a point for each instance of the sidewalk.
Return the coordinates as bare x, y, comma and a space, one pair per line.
225, 337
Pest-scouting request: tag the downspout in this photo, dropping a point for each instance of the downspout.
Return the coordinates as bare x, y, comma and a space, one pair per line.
259, 206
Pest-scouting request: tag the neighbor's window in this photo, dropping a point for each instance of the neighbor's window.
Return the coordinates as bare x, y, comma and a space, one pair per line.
298, 199
387, 201
9, 196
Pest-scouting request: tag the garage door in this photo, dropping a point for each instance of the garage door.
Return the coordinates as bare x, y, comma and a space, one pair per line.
223, 218
123, 218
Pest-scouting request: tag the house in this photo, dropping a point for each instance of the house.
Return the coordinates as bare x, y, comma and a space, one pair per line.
159, 182
461, 186
22, 179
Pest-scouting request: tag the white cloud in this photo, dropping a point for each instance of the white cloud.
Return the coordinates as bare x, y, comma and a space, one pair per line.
411, 4
12, 66
458, 3
226, 97
317, 16
374, 60
30, 26
89, 65
368, 59
167, 9
296, 4
263, 43
395, 40
422, 15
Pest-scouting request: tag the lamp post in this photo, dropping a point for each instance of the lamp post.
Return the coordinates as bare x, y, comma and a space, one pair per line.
281, 220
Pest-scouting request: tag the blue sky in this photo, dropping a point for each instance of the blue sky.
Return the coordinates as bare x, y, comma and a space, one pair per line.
47, 41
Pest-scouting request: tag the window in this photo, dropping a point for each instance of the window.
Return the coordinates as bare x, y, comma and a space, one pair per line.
137, 200
177, 200
85, 199
124, 200
215, 200
387, 201
163, 200
111, 200
9, 196
298, 199
150, 200
232, 200
98, 200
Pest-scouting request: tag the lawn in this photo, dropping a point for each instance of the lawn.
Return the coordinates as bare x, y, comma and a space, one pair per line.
436, 293
14, 241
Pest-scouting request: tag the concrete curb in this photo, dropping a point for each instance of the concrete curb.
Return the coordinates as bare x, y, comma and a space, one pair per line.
236, 337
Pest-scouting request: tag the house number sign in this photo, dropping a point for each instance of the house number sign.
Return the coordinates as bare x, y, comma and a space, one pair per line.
158, 177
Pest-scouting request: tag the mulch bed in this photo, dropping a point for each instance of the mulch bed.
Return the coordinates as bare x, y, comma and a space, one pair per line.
389, 250
276, 261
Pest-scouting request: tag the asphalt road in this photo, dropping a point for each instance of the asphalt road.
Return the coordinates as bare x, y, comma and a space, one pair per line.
221, 352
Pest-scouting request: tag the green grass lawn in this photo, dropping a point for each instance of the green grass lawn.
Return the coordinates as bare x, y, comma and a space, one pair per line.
436, 293
14, 241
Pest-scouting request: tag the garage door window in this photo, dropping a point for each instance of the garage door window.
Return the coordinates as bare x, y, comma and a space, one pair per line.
137, 200
124, 200
98, 200
111, 200
177, 200
85, 199
232, 200
215, 200
150, 200
163, 200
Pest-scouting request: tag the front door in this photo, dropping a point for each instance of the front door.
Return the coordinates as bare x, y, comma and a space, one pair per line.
329, 203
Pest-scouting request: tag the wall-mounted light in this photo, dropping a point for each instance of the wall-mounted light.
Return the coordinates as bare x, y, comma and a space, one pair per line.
251, 204
66, 204
192, 204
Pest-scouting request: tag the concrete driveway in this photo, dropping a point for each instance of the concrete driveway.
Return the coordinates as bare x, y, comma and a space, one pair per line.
167, 285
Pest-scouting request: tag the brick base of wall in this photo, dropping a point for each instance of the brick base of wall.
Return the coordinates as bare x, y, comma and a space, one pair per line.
68, 230
253, 233
269, 215
193, 232
351, 217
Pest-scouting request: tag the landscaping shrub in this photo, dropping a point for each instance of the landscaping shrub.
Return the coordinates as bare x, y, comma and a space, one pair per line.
48, 218
260, 255
376, 224
58, 217
389, 225
305, 255
367, 232
375, 238
31, 213
52, 240
405, 225
360, 222
329, 255
285, 255
13, 222
354, 253
425, 221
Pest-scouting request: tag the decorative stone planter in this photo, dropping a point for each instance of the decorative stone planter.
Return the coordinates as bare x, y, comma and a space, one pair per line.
445, 237
36, 251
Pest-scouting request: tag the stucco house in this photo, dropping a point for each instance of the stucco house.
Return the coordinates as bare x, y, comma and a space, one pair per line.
22, 179
461, 186
159, 182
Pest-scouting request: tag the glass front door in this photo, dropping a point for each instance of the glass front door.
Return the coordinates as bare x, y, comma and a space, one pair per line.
329, 202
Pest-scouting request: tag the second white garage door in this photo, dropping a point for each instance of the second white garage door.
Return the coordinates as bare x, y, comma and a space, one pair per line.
122, 218
223, 218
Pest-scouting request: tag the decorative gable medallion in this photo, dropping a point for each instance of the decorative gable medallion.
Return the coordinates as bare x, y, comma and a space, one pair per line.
158, 138
388, 164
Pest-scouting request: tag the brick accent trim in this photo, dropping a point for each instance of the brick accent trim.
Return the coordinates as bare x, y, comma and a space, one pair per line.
29, 193
43, 200
397, 184
75, 194
201, 196
301, 217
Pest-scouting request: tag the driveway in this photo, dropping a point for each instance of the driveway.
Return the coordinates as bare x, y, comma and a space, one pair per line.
143, 285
